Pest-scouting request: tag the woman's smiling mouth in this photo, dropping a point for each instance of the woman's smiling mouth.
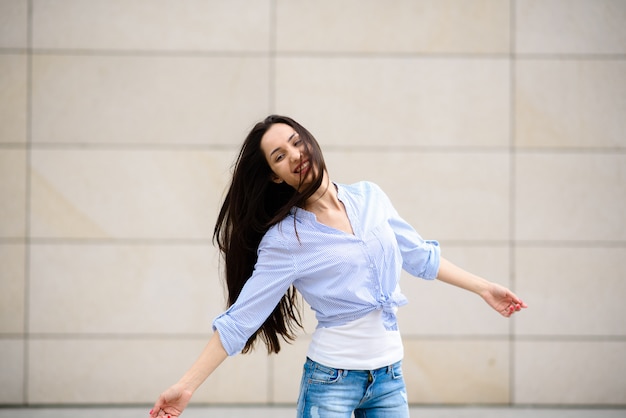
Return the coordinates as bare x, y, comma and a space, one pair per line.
302, 168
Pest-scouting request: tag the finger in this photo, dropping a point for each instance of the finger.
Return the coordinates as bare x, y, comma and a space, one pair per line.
157, 410
518, 301
519, 305
510, 310
154, 412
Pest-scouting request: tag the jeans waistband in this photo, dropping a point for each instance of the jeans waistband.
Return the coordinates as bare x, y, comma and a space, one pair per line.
384, 369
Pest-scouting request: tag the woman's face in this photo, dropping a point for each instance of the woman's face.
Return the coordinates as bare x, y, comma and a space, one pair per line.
286, 154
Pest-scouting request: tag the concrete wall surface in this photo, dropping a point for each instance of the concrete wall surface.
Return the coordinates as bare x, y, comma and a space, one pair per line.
495, 126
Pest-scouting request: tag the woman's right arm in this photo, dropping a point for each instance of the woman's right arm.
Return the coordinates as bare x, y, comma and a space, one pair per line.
174, 400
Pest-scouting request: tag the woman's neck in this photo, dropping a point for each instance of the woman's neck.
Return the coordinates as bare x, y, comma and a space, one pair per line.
324, 198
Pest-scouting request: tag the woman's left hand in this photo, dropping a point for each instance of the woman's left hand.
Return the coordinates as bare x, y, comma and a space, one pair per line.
502, 300
171, 403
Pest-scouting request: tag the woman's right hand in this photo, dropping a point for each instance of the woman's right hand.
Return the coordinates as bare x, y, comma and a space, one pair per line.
171, 403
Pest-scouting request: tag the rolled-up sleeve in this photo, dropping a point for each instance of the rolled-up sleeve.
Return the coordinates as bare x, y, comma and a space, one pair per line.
420, 257
273, 273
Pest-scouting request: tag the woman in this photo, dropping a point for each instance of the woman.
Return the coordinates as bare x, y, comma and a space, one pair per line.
284, 226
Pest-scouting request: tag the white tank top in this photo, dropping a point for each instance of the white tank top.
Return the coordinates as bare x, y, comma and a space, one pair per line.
363, 344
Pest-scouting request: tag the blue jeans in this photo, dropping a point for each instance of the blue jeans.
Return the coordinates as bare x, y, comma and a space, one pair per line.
335, 393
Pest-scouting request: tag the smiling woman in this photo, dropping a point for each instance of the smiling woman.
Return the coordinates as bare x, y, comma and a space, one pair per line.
287, 155
258, 198
285, 229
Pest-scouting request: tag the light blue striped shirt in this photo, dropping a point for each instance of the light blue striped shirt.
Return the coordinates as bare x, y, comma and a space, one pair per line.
342, 277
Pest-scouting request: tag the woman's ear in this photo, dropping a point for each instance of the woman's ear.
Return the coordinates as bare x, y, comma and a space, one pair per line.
276, 179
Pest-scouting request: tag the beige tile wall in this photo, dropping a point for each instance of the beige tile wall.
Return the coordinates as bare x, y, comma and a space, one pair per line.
13, 24
13, 98
495, 126
178, 97
409, 101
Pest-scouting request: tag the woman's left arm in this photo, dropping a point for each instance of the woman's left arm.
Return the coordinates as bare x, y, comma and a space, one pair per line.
498, 297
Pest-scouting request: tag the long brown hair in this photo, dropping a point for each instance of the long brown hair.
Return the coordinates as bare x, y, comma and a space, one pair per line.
252, 205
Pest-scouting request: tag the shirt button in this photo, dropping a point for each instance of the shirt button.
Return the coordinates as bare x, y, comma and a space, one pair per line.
371, 266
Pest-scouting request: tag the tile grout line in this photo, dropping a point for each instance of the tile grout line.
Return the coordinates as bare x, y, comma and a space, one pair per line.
271, 57
310, 54
512, 192
27, 203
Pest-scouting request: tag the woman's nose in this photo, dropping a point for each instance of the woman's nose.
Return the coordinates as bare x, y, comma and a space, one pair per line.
295, 154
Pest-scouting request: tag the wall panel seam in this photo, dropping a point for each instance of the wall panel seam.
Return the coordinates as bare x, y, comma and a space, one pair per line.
309, 54
512, 188
27, 193
519, 338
